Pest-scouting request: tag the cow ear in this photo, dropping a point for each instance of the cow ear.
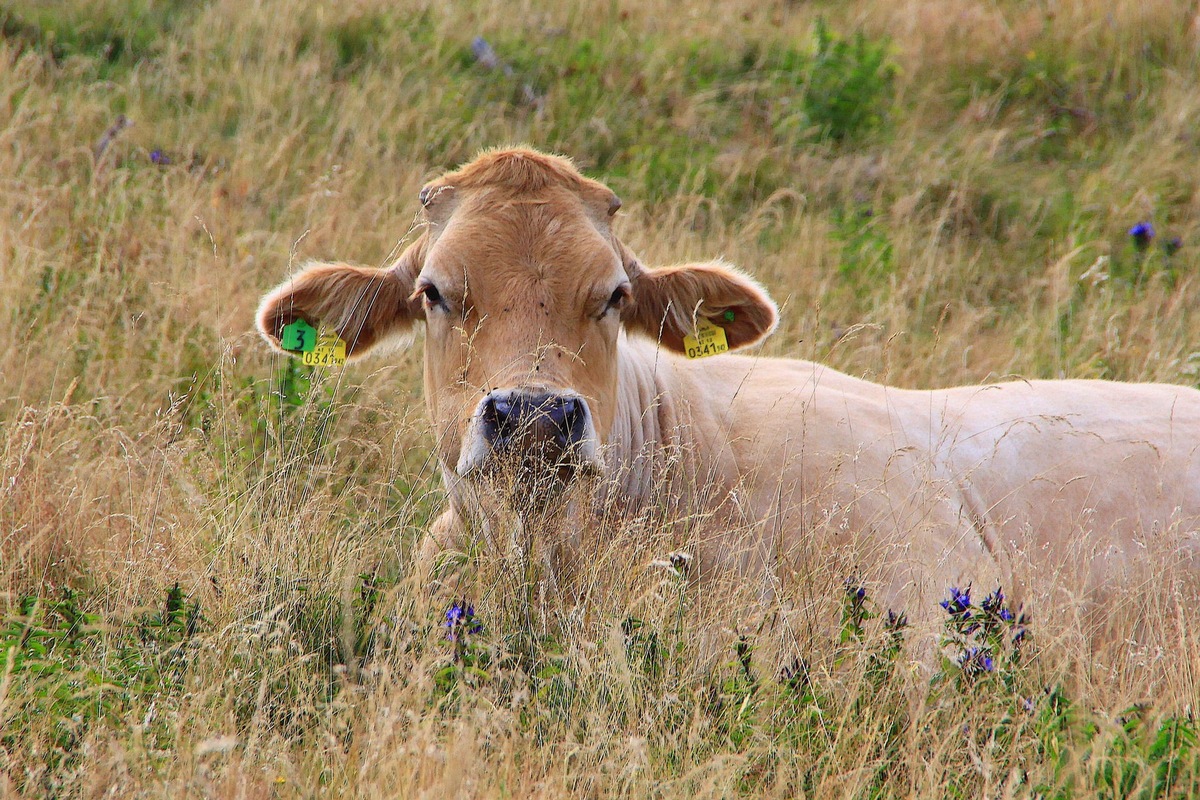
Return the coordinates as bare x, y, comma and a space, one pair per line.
366, 306
670, 302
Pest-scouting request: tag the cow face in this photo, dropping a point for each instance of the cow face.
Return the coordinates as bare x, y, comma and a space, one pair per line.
524, 290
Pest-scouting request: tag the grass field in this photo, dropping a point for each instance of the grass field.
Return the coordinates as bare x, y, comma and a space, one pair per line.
205, 584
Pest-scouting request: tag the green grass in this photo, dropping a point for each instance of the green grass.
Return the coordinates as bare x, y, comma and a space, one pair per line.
206, 583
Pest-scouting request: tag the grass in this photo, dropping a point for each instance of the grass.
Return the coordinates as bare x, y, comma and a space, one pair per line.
205, 581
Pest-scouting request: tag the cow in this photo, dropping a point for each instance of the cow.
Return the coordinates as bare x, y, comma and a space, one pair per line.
555, 359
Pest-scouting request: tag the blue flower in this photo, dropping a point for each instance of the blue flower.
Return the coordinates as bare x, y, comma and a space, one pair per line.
461, 615
157, 156
855, 591
1142, 234
1006, 615
993, 601
959, 601
1172, 245
975, 660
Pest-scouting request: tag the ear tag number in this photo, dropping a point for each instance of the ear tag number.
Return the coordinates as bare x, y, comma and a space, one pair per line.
299, 337
329, 351
709, 341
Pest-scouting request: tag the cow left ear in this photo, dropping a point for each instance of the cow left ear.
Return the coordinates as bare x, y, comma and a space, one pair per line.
365, 306
669, 303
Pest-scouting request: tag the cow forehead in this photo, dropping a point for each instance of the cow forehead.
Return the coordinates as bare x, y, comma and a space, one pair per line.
494, 242
521, 172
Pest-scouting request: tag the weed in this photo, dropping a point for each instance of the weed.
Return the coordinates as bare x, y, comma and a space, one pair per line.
64, 666
849, 87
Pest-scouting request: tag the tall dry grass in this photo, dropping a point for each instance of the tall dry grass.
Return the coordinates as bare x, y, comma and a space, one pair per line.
148, 439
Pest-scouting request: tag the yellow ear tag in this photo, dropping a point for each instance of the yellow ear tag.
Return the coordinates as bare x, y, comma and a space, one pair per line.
329, 351
709, 341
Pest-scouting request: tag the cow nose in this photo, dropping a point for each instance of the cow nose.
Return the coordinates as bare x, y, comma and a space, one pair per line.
520, 420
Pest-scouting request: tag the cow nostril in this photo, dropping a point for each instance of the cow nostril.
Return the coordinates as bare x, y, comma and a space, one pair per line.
570, 417
559, 411
501, 408
498, 413
571, 410
521, 420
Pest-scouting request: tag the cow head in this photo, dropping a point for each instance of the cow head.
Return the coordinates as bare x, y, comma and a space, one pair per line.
523, 290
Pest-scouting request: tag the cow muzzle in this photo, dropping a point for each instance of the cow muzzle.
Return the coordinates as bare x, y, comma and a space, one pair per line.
532, 431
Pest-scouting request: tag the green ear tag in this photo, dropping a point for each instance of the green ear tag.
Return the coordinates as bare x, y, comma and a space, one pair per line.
729, 315
299, 337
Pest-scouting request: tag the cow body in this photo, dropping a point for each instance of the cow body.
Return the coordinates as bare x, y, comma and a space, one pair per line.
551, 348
1066, 483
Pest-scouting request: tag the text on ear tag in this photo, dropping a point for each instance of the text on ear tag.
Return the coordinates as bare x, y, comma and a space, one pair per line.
329, 351
299, 337
709, 340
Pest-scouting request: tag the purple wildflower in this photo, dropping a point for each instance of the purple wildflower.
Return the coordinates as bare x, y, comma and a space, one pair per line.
1172, 246
157, 156
975, 660
1143, 234
958, 602
461, 616
484, 53
993, 601
855, 591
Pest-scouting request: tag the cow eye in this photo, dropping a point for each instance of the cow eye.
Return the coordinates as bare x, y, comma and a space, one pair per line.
432, 296
617, 298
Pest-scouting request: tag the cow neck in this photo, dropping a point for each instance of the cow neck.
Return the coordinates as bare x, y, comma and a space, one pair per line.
642, 451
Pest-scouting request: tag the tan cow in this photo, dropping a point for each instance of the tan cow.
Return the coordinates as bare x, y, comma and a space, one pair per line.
553, 359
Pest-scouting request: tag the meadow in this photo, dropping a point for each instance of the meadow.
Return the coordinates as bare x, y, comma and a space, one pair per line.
206, 583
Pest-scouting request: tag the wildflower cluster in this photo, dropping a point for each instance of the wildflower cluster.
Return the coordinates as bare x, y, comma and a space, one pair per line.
978, 636
461, 622
471, 656
878, 658
1143, 234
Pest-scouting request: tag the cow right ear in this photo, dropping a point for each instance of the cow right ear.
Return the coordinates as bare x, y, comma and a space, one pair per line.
365, 306
670, 302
